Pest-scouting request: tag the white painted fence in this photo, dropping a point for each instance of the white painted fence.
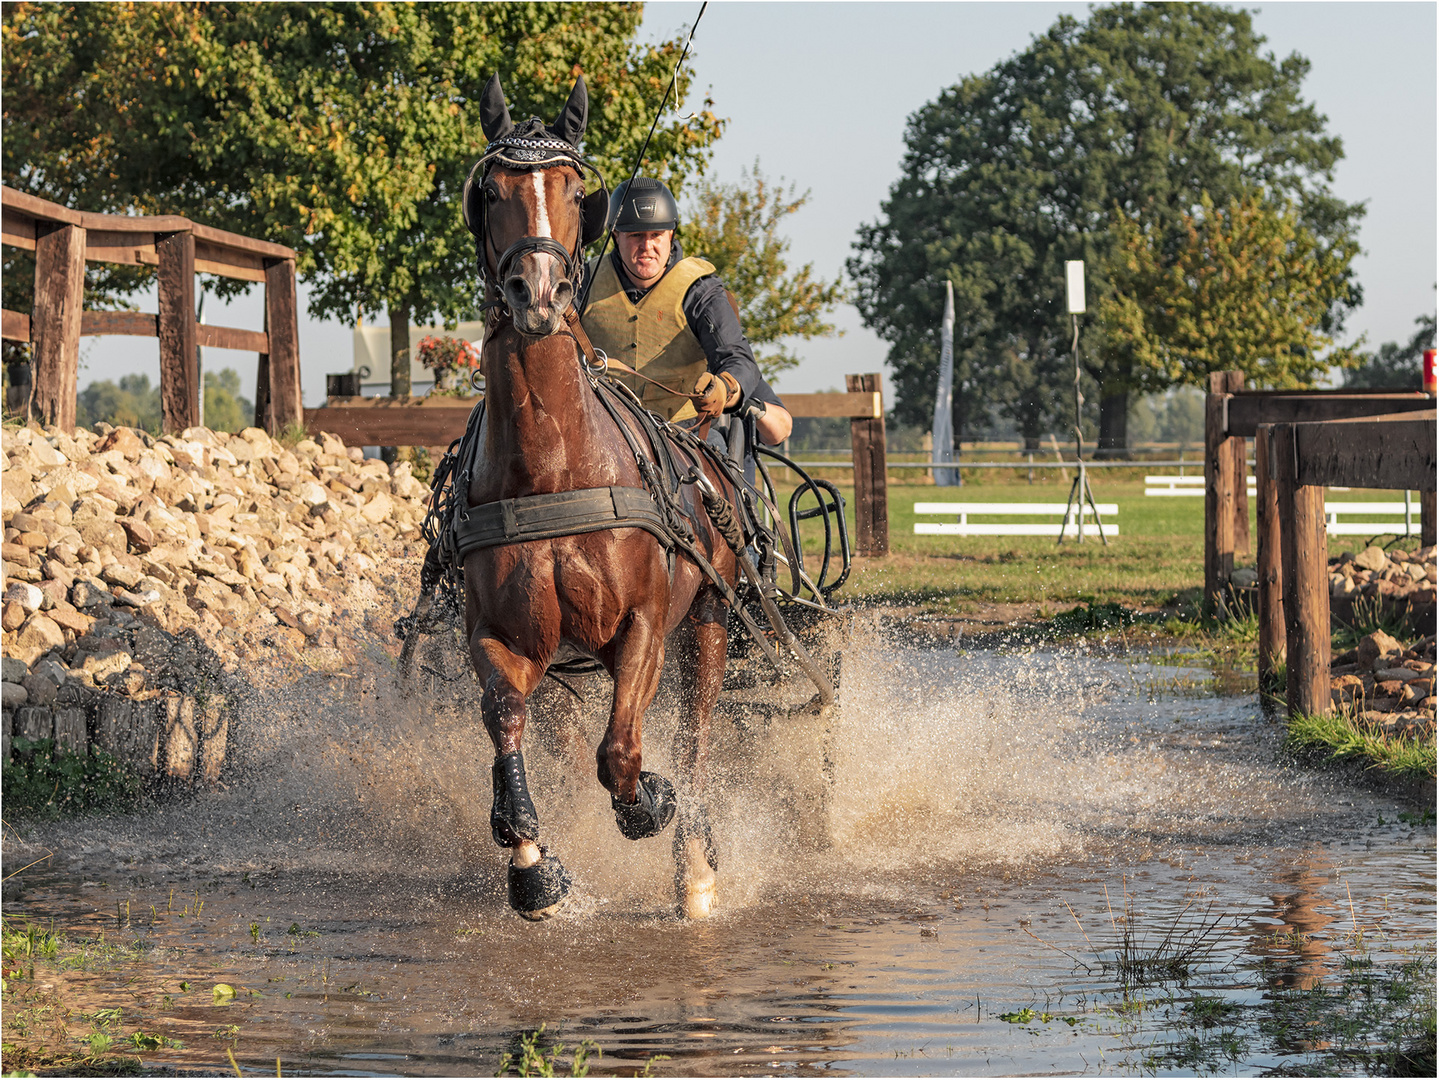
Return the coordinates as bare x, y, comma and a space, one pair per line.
1404, 512
964, 527
1181, 485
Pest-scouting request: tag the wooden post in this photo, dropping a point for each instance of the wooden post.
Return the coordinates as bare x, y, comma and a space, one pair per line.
871, 496
55, 322
1426, 519
1218, 495
280, 367
1268, 561
1236, 446
1305, 581
179, 373
263, 418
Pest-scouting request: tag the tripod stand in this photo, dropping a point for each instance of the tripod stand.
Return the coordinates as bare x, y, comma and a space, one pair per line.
1079, 491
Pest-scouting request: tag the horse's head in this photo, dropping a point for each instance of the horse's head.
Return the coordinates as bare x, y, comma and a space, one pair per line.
525, 202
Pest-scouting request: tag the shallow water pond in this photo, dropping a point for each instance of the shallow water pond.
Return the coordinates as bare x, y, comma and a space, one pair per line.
1041, 861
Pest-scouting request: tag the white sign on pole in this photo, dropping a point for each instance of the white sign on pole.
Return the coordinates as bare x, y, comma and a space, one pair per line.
943, 432
1074, 285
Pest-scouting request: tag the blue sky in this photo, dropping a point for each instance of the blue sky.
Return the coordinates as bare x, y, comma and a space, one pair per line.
819, 93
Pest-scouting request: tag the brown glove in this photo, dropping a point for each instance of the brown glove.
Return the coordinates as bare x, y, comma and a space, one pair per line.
715, 391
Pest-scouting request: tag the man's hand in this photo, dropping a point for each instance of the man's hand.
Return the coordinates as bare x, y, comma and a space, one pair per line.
714, 391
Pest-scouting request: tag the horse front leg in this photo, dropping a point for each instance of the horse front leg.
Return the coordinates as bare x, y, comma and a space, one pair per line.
702, 673
643, 802
537, 880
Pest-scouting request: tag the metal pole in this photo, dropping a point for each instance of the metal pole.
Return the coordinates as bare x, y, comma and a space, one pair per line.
1079, 491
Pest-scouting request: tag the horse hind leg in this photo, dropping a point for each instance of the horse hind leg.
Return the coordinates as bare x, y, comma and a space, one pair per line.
695, 853
537, 880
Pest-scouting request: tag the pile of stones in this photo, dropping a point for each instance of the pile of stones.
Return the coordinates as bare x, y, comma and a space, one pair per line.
1397, 575
1385, 684
150, 582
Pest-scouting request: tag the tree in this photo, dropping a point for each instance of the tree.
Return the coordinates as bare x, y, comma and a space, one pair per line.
1395, 365
736, 227
1012, 172
225, 408
342, 130
132, 402
1247, 289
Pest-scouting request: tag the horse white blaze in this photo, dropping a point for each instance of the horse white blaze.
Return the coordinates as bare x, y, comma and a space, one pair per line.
542, 212
542, 228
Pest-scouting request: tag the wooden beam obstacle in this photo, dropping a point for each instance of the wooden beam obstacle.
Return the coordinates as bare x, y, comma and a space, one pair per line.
1232, 415
438, 421
1295, 462
64, 240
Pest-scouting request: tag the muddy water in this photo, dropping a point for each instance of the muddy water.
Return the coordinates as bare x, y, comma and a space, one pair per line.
998, 826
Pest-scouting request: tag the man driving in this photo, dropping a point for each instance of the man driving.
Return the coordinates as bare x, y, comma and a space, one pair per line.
670, 317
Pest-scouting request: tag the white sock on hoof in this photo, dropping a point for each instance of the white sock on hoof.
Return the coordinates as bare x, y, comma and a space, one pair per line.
525, 854
698, 882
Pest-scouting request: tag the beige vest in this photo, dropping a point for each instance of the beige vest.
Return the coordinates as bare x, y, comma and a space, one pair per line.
651, 336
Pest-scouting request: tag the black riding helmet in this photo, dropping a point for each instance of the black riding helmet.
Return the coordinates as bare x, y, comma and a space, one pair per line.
645, 205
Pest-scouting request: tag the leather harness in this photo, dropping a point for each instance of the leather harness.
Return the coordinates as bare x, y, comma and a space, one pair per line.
454, 530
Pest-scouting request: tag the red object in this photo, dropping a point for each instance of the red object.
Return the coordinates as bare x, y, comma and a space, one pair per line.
1429, 372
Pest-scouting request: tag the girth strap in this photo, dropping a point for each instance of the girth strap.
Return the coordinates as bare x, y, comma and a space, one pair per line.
565, 513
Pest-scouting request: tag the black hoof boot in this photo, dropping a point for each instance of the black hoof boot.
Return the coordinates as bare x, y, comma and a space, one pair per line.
652, 810
512, 817
536, 891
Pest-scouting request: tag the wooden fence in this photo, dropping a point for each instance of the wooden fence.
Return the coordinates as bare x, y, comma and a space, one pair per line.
1294, 463
64, 240
1232, 415
437, 421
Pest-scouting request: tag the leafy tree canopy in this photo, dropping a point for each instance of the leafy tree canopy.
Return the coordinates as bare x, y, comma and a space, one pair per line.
1246, 289
342, 130
1012, 172
736, 227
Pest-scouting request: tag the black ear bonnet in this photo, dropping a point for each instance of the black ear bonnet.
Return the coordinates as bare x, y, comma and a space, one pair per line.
533, 144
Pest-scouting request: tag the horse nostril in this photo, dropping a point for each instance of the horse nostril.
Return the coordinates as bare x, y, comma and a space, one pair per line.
517, 292
564, 293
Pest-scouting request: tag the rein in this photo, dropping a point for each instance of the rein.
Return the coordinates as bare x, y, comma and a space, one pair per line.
606, 364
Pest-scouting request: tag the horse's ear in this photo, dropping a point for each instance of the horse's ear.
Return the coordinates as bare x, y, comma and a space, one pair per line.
570, 124
594, 214
494, 113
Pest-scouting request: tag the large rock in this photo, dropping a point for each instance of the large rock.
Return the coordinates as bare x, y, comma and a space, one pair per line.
1376, 648
38, 636
1371, 558
27, 596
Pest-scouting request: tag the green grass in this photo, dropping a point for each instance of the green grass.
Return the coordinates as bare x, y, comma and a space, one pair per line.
1157, 559
1338, 737
45, 783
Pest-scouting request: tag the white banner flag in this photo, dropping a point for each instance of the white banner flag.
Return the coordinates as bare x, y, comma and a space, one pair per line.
943, 397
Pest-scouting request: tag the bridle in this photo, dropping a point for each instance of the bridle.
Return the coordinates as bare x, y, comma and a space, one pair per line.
530, 148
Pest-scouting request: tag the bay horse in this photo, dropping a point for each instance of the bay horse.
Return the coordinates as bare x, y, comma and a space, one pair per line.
616, 594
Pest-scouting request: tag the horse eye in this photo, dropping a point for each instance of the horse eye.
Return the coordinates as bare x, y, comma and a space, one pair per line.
491, 196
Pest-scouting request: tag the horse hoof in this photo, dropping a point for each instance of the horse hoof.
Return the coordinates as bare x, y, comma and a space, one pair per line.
695, 883
652, 810
536, 891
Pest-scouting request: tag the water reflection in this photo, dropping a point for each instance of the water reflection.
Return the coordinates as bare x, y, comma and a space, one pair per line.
1299, 939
